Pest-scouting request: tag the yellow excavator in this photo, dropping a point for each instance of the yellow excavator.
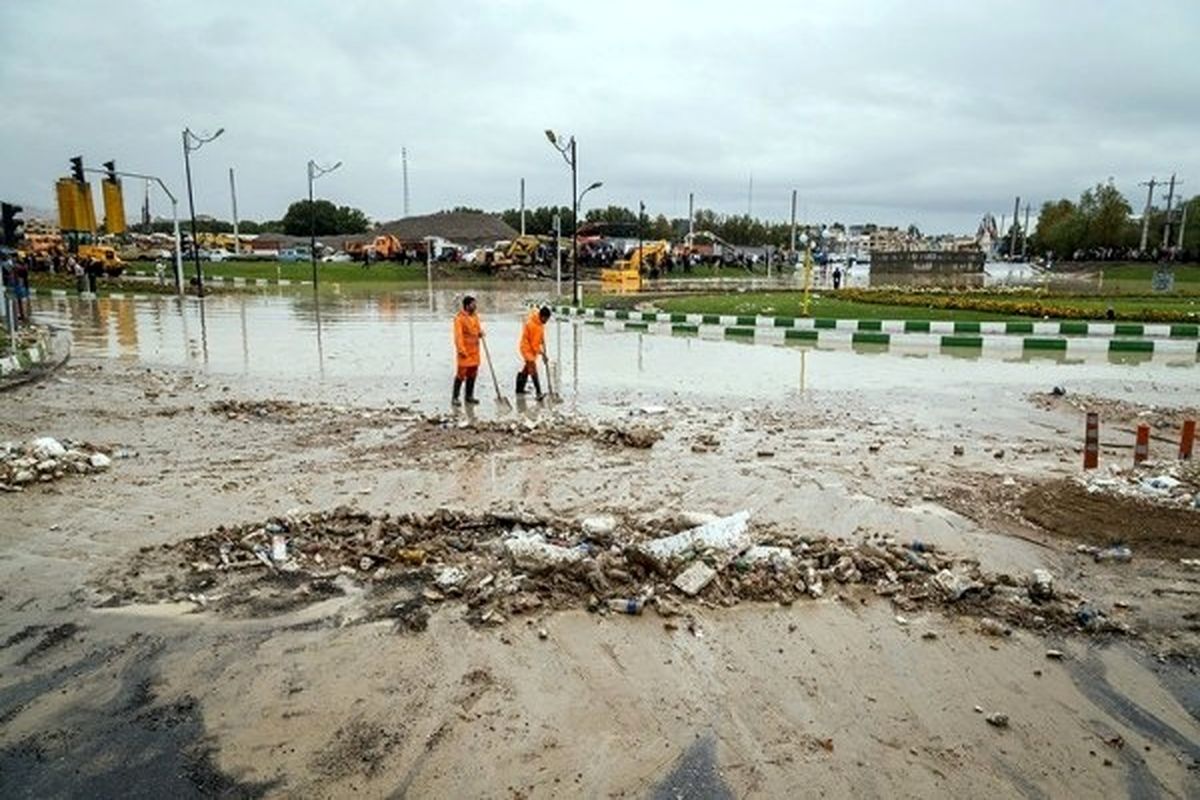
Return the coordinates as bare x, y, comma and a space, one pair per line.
627, 273
521, 250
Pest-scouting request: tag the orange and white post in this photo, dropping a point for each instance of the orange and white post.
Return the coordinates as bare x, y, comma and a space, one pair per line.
1091, 441
1187, 439
1141, 450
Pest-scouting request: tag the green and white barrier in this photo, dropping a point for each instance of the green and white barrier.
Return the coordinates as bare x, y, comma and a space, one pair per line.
1031, 328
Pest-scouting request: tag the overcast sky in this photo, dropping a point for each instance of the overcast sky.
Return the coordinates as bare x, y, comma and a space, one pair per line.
892, 112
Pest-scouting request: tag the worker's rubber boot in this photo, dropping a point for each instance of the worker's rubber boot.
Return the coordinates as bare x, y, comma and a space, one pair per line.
537, 386
457, 388
471, 392
522, 379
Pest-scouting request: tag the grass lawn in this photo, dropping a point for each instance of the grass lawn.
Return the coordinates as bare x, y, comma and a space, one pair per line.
831, 305
1135, 279
302, 271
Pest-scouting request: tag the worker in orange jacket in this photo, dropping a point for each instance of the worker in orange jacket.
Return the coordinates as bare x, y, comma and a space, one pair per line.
533, 341
467, 334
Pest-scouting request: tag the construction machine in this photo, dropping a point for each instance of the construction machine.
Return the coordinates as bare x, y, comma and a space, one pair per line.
647, 259
523, 250
102, 256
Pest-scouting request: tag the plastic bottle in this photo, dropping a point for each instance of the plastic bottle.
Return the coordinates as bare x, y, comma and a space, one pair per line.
627, 605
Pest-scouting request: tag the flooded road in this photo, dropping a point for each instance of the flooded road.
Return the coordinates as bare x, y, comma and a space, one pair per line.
361, 673
380, 346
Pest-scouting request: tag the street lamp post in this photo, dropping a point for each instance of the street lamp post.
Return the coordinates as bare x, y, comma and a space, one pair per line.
193, 142
569, 155
314, 171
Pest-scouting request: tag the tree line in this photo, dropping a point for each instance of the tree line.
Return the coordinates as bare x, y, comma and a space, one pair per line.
1101, 225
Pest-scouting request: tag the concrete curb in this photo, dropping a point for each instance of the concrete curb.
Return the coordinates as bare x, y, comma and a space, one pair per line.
914, 341
1071, 328
241, 281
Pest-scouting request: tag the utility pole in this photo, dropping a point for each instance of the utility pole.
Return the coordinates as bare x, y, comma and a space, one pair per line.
1012, 240
750, 198
233, 200
691, 216
1167, 224
792, 249
404, 173
522, 206
1025, 234
1146, 214
1183, 223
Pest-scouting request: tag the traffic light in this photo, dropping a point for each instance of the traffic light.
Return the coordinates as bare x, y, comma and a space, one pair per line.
111, 166
114, 202
77, 169
14, 226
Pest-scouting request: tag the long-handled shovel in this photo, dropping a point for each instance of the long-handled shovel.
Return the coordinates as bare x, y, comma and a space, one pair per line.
501, 400
554, 398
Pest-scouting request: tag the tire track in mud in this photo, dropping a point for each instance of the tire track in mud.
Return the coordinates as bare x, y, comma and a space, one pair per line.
1090, 676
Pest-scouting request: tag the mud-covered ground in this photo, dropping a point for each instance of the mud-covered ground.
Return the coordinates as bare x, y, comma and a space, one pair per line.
155, 643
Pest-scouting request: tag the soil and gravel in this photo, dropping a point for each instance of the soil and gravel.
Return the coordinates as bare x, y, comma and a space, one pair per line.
290, 593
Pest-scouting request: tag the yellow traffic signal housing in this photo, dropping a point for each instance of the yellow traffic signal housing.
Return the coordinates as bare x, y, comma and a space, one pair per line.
114, 206
75, 209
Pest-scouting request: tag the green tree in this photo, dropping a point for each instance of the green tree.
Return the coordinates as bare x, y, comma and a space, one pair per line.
1105, 213
323, 216
618, 214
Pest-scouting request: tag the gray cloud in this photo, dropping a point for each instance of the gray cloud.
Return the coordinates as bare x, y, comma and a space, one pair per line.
888, 111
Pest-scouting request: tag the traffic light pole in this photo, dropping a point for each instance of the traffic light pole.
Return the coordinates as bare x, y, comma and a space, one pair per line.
174, 217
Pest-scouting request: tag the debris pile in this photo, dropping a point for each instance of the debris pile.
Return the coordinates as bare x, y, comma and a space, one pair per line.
1169, 483
449, 431
506, 564
47, 459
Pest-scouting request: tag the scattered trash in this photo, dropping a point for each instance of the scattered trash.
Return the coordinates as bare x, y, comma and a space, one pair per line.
46, 459
532, 552
929, 635
954, 586
693, 579
449, 578
1160, 483
1119, 553
765, 554
1055, 655
996, 719
278, 548
1190, 563
603, 525
653, 410
1058, 391
959, 450
631, 605
726, 538
994, 627
1041, 585
46, 447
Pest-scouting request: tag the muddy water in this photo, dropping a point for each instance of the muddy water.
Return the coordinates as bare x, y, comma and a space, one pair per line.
394, 345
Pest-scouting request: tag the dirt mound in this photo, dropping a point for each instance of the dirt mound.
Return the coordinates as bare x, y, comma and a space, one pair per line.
1168, 419
462, 227
499, 565
444, 432
1067, 509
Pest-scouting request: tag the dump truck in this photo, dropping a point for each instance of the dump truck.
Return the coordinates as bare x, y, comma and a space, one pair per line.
101, 255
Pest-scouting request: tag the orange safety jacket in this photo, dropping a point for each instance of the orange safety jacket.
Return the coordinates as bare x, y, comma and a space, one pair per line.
466, 339
532, 336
